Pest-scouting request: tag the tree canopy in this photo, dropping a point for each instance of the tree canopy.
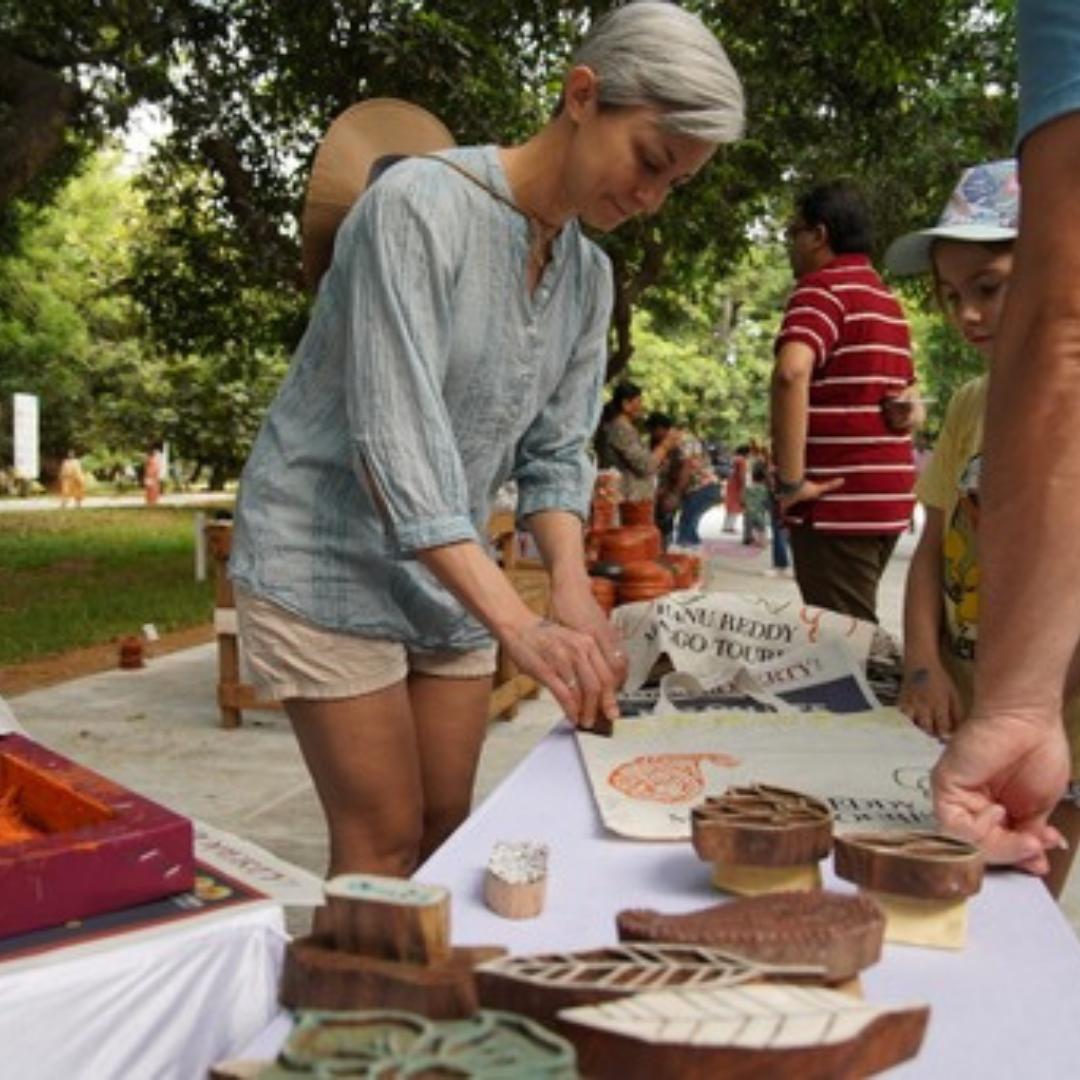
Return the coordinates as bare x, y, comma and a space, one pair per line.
898, 94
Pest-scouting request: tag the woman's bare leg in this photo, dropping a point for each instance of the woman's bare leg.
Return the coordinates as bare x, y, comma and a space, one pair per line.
361, 753
451, 717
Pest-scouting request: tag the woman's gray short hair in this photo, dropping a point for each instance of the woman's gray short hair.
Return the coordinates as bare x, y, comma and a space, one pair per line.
650, 52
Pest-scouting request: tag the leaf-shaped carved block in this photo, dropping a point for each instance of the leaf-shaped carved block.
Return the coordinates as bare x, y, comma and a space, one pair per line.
929, 866
385, 1043
539, 986
761, 825
838, 932
755, 1031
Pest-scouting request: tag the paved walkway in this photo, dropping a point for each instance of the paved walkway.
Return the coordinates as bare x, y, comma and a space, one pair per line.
52, 502
157, 731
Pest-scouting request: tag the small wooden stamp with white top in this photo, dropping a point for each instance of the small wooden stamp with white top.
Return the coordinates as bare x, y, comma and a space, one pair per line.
922, 881
763, 839
515, 884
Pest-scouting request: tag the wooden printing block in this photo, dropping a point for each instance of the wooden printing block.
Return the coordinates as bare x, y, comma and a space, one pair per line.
387, 917
515, 883
921, 880
318, 976
840, 933
384, 1043
742, 1033
762, 839
540, 986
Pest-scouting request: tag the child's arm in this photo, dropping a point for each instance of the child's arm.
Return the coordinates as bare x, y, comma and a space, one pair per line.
928, 695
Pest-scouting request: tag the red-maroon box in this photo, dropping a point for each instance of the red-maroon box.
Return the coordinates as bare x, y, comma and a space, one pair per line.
103, 848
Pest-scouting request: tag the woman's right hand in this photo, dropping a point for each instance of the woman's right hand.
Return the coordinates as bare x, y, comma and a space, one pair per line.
929, 697
571, 665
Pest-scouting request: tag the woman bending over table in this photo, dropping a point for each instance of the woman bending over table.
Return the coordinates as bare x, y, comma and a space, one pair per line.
458, 340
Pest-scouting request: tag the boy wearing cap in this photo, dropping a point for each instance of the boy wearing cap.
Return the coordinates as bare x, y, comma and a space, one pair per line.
970, 254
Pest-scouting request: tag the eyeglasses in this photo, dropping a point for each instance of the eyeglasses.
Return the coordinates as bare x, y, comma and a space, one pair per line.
793, 230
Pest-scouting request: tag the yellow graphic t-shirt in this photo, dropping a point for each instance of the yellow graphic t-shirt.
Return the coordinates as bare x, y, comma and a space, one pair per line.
950, 483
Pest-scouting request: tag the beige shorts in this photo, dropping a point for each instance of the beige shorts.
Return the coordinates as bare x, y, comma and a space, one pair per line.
288, 657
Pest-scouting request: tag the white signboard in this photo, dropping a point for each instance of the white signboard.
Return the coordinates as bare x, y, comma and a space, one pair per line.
873, 768
25, 412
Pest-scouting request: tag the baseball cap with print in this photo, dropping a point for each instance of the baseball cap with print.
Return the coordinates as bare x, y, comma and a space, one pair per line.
984, 206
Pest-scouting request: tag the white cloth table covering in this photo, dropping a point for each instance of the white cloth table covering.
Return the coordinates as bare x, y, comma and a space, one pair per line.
1008, 1005
165, 1004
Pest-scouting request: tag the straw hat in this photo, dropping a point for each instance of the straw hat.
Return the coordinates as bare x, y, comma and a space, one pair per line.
356, 140
984, 207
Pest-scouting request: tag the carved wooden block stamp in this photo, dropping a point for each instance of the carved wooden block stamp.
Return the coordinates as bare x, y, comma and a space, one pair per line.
801, 1032
385, 1043
841, 934
540, 986
389, 917
763, 839
515, 884
921, 880
318, 976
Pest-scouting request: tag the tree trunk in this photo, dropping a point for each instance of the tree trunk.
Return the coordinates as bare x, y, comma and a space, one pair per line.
33, 132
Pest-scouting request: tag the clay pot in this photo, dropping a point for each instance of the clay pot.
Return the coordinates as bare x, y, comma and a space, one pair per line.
637, 513
623, 546
604, 591
131, 653
684, 567
603, 515
645, 580
610, 570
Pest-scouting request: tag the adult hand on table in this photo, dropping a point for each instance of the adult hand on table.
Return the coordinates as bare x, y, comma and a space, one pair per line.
576, 654
997, 782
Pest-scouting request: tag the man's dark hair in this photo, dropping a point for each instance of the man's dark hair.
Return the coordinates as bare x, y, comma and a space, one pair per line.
657, 420
840, 206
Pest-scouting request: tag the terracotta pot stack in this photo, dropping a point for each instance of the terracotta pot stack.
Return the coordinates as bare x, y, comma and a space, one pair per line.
645, 580
684, 567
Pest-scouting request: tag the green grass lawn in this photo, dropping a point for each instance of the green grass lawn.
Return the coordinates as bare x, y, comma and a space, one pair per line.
70, 578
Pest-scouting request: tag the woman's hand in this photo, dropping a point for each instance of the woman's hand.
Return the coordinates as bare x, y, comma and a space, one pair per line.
581, 668
929, 697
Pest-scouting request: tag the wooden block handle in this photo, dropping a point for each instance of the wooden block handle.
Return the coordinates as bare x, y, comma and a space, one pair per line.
389, 918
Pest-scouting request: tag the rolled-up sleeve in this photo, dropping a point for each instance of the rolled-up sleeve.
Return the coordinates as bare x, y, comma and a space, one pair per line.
399, 295
552, 467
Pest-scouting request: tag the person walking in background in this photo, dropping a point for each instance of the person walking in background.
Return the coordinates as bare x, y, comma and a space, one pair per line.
970, 254
619, 444
72, 481
458, 340
756, 503
152, 476
735, 486
1004, 771
841, 404
686, 483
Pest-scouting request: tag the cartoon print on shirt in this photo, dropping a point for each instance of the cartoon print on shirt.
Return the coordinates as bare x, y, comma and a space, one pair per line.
961, 572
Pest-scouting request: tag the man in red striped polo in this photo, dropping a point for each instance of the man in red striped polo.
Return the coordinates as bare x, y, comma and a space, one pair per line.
842, 406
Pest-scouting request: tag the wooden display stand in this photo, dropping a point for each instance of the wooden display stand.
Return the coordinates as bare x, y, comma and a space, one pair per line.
233, 695
532, 584
528, 577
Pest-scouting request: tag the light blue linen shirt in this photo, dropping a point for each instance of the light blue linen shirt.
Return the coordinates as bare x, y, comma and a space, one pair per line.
426, 378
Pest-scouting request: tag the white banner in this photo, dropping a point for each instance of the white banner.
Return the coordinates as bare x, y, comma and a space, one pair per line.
873, 768
714, 635
25, 431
